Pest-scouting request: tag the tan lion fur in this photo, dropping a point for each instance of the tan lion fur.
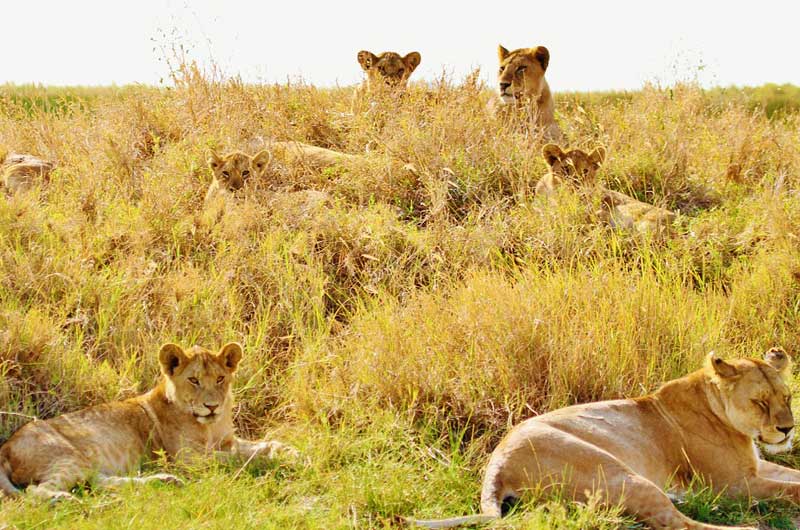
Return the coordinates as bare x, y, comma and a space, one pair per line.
21, 172
627, 451
521, 87
578, 169
386, 71
188, 414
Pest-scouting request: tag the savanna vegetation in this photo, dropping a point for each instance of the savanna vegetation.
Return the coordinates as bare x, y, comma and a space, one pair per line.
394, 331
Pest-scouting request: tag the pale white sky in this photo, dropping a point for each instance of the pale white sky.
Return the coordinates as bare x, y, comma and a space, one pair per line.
593, 44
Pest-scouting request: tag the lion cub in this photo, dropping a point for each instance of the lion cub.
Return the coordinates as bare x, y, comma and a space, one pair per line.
521, 86
233, 171
700, 426
387, 70
19, 172
189, 413
579, 170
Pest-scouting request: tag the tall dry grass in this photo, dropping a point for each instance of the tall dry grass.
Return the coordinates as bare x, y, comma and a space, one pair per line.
450, 299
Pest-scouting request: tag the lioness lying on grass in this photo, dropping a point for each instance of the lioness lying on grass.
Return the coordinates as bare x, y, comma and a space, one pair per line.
578, 169
189, 413
699, 426
19, 172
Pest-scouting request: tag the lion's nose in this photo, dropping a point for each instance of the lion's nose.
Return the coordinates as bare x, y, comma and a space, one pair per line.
210, 407
786, 430
504, 86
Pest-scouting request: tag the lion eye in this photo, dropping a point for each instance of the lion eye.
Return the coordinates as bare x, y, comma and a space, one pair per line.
194, 381
226, 174
245, 174
521, 70
220, 379
761, 404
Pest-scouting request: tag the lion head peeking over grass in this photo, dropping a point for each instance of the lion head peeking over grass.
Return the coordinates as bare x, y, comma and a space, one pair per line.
521, 86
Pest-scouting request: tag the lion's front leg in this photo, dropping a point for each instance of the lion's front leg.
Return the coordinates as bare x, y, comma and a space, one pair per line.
760, 487
777, 472
270, 449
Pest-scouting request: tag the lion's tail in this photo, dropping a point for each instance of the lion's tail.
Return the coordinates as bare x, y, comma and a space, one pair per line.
452, 521
5, 483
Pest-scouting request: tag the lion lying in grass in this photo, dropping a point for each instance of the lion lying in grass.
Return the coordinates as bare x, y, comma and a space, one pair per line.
699, 426
19, 172
578, 169
189, 413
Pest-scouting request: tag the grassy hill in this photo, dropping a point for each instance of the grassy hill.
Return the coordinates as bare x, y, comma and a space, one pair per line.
395, 332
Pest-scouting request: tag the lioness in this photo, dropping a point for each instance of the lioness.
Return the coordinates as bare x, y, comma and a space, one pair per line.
188, 413
19, 172
701, 425
521, 86
579, 170
233, 171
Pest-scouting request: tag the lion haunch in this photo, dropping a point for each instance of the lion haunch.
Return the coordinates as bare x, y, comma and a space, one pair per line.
627, 451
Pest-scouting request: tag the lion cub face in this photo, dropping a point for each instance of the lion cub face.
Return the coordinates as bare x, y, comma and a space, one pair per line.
388, 68
198, 380
234, 170
574, 166
755, 396
521, 72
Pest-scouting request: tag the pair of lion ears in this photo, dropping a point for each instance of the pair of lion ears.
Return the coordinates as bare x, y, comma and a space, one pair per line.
368, 59
776, 357
260, 159
552, 153
173, 358
538, 53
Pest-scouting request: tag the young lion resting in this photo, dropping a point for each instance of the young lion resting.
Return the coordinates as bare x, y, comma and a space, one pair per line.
188, 413
579, 170
702, 425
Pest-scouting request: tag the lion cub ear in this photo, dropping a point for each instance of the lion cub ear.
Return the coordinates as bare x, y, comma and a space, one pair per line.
541, 54
598, 156
721, 368
214, 161
366, 59
552, 154
412, 60
777, 358
172, 358
231, 354
261, 160
502, 53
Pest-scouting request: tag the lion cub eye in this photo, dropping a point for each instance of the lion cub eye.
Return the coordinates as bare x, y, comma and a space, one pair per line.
226, 174
194, 381
245, 174
220, 379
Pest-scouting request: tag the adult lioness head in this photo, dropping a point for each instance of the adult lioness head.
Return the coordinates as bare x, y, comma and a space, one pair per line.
521, 72
754, 396
235, 169
575, 165
388, 68
198, 380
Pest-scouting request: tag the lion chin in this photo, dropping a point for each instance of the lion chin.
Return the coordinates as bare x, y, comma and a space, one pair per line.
207, 419
776, 449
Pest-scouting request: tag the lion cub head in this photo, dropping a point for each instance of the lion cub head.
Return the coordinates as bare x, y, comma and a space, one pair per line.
198, 380
388, 68
755, 396
574, 166
521, 72
234, 170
